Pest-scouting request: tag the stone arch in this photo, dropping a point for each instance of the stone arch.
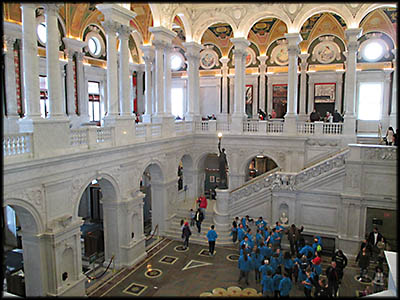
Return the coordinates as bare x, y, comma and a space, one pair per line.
202, 25
156, 13
245, 163
367, 8
34, 263
138, 39
309, 10
246, 26
23, 207
182, 14
108, 186
156, 166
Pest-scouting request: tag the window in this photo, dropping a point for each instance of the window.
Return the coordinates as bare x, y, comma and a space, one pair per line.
94, 46
176, 62
94, 102
177, 102
41, 32
44, 98
373, 49
11, 222
370, 100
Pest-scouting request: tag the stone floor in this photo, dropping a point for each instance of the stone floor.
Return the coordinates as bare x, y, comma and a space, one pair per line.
171, 271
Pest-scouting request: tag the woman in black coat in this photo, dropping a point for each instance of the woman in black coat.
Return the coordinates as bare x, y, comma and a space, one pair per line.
186, 233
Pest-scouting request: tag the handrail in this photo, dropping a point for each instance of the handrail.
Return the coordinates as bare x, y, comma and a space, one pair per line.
97, 277
324, 158
277, 169
154, 231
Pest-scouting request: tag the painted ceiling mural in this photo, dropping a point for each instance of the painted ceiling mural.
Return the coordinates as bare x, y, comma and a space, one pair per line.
263, 33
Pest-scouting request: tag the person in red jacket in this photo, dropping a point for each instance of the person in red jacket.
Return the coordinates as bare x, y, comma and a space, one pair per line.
202, 204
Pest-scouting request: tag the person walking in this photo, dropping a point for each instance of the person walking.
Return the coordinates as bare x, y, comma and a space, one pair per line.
276, 280
234, 232
373, 238
267, 284
307, 284
244, 264
341, 263
333, 279
192, 217
390, 136
186, 233
256, 259
363, 262
203, 205
293, 234
212, 237
288, 264
199, 218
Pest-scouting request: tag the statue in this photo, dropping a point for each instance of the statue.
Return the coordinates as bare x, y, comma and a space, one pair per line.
223, 165
283, 218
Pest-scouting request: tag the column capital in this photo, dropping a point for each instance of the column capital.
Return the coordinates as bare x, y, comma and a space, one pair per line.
224, 60
29, 5
293, 39
262, 59
69, 53
162, 34
124, 31
110, 27
352, 36
193, 49
148, 53
116, 13
52, 8
240, 44
304, 57
73, 44
10, 40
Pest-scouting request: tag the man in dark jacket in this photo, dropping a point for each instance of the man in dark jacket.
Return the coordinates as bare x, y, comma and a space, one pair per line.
333, 279
373, 238
337, 117
198, 217
341, 263
294, 236
186, 233
315, 116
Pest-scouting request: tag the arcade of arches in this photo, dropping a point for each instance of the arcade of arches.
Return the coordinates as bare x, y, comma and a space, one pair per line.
112, 114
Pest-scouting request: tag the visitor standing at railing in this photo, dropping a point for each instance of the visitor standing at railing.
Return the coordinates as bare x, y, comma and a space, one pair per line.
337, 117
328, 117
315, 116
389, 136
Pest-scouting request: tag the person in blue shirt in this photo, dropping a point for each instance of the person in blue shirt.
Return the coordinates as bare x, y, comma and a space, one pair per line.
285, 285
243, 222
307, 284
306, 250
250, 236
274, 262
303, 267
212, 237
234, 232
256, 259
246, 244
276, 280
266, 235
267, 284
268, 251
279, 257
259, 237
265, 266
262, 222
244, 265
288, 264
241, 233
317, 242
296, 267
274, 239
280, 230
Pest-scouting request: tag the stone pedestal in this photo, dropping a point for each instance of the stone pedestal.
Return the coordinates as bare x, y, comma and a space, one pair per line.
222, 218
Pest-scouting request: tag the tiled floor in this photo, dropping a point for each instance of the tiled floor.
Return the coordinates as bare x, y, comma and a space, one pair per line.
171, 271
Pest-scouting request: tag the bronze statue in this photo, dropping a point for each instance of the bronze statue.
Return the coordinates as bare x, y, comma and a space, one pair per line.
223, 166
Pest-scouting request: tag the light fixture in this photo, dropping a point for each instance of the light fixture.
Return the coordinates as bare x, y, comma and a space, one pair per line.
260, 156
220, 135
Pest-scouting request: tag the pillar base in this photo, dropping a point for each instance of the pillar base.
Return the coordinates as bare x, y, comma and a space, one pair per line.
290, 126
51, 137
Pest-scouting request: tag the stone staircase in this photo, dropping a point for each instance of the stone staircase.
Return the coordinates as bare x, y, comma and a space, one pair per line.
174, 231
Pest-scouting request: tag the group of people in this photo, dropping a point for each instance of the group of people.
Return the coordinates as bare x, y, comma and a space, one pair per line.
197, 218
372, 248
276, 271
262, 115
335, 117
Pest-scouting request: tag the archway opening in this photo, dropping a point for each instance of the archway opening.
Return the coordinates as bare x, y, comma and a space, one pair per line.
145, 188
259, 165
92, 230
211, 175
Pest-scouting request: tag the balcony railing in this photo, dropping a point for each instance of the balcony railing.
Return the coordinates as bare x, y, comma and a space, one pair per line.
94, 137
19, 144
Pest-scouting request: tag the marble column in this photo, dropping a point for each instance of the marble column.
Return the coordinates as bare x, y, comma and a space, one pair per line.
56, 103
193, 57
81, 84
303, 86
293, 40
269, 94
30, 63
350, 84
159, 77
224, 102
70, 83
263, 68
393, 110
167, 78
240, 53
126, 104
386, 97
10, 82
339, 88
111, 28
148, 57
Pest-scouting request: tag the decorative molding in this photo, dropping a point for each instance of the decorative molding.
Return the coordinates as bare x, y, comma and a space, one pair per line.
386, 153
